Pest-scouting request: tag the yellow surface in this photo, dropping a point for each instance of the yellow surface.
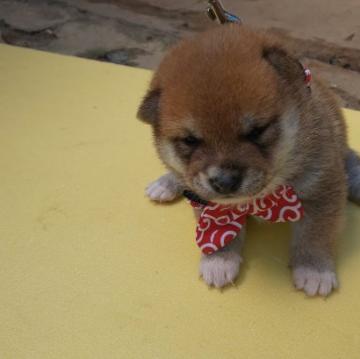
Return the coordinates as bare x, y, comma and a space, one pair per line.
89, 268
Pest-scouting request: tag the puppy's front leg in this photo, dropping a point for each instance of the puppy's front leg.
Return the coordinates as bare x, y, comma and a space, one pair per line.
222, 267
312, 248
166, 188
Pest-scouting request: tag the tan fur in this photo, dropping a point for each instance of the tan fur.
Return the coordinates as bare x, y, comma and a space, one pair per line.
221, 84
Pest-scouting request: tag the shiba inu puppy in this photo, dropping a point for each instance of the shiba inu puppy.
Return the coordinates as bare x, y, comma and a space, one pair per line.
233, 119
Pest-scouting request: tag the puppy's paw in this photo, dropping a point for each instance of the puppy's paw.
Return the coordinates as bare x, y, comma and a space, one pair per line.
164, 189
220, 269
313, 282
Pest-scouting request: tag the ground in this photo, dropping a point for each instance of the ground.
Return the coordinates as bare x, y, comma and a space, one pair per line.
325, 34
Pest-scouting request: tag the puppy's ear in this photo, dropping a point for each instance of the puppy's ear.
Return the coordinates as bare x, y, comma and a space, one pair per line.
149, 108
288, 67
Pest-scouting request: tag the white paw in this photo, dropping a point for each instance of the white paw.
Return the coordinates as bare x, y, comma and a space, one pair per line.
314, 282
220, 269
164, 189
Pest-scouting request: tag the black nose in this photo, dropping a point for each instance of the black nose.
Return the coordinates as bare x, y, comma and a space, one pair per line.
228, 181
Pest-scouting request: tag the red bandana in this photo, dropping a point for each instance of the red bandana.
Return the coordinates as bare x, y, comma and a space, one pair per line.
220, 224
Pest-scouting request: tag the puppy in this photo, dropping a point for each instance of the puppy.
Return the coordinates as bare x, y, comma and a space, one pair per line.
233, 119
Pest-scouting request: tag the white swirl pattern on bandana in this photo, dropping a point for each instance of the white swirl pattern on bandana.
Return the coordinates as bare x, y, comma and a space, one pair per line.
219, 225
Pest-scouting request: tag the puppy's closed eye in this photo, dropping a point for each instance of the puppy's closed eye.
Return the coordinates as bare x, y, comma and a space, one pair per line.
264, 133
185, 146
191, 141
263, 136
255, 134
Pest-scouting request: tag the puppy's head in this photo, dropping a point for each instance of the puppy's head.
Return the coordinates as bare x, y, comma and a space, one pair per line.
224, 106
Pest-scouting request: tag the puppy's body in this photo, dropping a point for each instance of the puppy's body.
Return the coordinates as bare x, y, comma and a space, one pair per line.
233, 119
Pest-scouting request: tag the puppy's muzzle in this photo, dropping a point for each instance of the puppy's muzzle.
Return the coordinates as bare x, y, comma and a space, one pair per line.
227, 181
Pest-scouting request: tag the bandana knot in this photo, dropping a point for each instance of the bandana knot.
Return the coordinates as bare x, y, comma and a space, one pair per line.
219, 224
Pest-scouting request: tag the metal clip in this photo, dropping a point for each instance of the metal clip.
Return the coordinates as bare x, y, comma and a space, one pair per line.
216, 11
